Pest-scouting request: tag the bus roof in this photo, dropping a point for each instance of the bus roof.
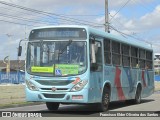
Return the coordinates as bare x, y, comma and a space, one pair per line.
97, 32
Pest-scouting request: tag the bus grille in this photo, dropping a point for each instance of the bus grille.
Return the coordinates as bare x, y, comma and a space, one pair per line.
54, 82
50, 89
54, 95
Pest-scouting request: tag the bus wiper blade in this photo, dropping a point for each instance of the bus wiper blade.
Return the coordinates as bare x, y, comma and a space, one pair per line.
65, 47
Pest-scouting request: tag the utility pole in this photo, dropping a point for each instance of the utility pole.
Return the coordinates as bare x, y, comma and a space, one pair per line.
106, 17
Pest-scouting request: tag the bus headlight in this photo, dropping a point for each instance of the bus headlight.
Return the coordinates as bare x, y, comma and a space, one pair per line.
31, 86
79, 86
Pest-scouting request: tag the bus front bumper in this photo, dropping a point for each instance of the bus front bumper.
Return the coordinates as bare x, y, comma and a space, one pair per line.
60, 97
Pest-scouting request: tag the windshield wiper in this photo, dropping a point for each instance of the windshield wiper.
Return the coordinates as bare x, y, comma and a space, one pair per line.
65, 47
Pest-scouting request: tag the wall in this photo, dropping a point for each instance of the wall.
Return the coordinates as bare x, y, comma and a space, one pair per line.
12, 77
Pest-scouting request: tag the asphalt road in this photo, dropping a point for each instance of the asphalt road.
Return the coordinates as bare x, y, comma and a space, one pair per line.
151, 103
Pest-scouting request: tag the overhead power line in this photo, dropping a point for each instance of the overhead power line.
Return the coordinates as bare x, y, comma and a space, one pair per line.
120, 9
131, 36
61, 17
26, 13
144, 6
83, 15
19, 12
17, 23
119, 23
25, 19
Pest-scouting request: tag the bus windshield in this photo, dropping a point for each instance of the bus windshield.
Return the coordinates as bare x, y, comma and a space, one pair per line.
56, 58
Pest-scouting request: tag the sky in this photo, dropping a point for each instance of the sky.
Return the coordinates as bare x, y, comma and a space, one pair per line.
138, 18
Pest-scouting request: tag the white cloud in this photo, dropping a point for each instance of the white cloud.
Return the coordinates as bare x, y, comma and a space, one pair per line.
151, 20
146, 22
146, 27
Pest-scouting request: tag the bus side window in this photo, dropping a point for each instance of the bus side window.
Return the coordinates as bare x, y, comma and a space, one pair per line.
96, 55
107, 51
149, 59
135, 63
99, 56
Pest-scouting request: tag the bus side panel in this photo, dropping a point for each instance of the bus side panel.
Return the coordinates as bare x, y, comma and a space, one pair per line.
114, 75
109, 75
95, 89
124, 81
129, 80
147, 80
121, 83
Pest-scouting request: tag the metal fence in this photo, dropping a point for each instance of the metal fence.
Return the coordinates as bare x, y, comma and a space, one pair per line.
12, 77
18, 77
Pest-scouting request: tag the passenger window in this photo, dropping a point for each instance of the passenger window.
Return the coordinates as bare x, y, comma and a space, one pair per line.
142, 54
134, 63
115, 47
125, 55
142, 57
107, 57
107, 51
116, 56
148, 55
142, 63
149, 63
126, 61
116, 59
107, 45
134, 57
134, 52
125, 49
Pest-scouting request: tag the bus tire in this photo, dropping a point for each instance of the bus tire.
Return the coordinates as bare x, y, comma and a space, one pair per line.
129, 102
52, 106
103, 106
137, 99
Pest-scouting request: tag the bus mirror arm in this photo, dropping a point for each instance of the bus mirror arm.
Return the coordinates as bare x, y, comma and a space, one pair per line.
20, 47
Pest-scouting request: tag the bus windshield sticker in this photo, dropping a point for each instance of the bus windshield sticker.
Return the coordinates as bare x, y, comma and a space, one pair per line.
66, 69
58, 72
42, 69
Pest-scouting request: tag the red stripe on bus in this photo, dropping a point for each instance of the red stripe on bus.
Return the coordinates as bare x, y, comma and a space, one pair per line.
144, 82
118, 85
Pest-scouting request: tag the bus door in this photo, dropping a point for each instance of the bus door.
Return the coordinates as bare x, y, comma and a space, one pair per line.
96, 68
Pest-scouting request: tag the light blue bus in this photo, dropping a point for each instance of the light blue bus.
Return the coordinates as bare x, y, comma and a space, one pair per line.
83, 65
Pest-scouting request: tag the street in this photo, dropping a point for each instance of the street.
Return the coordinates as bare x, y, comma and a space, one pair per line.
148, 104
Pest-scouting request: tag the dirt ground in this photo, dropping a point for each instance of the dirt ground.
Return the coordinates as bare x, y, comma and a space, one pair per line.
11, 94
15, 94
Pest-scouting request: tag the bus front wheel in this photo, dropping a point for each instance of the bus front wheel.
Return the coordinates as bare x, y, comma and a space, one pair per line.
103, 106
52, 106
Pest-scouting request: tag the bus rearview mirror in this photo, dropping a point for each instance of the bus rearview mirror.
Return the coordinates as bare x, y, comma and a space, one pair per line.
19, 50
